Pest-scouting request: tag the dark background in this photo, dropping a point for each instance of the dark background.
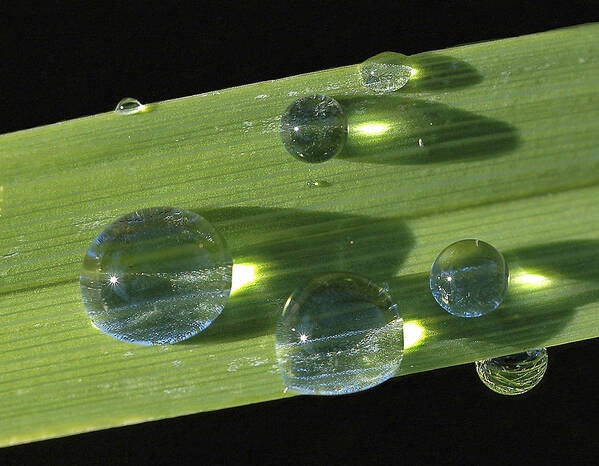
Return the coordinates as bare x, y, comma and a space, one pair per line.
61, 63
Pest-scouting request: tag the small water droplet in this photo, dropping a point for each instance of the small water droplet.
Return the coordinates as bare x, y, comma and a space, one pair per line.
145, 279
385, 77
469, 278
128, 105
338, 334
514, 374
318, 184
314, 128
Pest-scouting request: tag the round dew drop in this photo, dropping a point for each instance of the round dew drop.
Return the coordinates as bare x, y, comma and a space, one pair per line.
128, 105
514, 374
469, 278
156, 276
314, 128
338, 334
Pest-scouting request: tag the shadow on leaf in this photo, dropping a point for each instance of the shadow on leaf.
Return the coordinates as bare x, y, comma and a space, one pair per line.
287, 247
397, 130
548, 283
432, 72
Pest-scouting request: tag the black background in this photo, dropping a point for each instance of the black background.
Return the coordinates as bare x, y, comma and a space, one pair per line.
64, 62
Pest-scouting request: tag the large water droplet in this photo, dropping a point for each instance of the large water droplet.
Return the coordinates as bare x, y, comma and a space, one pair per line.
314, 128
128, 105
156, 276
338, 334
469, 278
514, 374
385, 77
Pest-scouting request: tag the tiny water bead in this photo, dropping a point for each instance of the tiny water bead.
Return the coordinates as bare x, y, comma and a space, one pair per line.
338, 334
318, 184
469, 278
314, 128
128, 105
156, 276
514, 374
385, 77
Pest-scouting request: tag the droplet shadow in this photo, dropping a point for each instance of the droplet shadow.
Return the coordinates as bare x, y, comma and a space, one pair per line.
532, 312
396, 130
440, 72
287, 247
432, 72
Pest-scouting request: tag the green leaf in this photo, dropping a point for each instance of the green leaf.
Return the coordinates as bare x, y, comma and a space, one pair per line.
497, 141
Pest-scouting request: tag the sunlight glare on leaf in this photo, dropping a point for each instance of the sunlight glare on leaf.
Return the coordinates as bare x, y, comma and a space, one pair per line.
243, 274
413, 333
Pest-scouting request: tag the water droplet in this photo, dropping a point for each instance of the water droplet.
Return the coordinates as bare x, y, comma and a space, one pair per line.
318, 184
156, 276
514, 374
314, 128
469, 278
385, 77
340, 333
128, 106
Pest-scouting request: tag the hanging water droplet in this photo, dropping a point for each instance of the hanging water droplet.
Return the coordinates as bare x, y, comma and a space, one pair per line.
156, 276
338, 334
128, 106
514, 374
314, 128
385, 77
469, 278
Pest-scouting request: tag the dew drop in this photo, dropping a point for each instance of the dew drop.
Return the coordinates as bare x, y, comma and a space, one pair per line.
340, 333
128, 105
318, 184
514, 374
314, 128
156, 276
385, 77
469, 278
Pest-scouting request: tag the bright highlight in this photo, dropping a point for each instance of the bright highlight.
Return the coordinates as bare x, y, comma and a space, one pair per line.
372, 129
530, 280
243, 274
412, 334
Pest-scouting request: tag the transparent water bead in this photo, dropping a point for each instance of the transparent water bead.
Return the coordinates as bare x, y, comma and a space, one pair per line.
385, 77
318, 184
338, 334
469, 278
128, 105
514, 374
314, 128
156, 276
